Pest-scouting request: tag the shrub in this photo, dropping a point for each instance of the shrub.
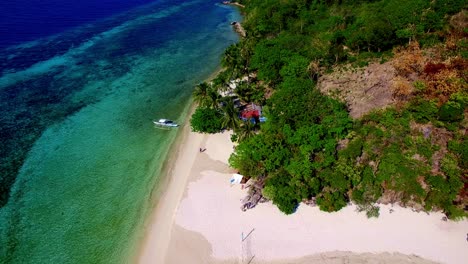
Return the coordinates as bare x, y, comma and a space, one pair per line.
368, 191
353, 150
451, 112
455, 213
423, 111
206, 120
401, 87
282, 193
234, 138
331, 201
420, 86
269, 192
433, 68
463, 152
373, 211
286, 202
461, 98
424, 147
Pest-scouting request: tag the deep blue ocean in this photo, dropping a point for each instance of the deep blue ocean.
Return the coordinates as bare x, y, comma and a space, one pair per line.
26, 20
80, 83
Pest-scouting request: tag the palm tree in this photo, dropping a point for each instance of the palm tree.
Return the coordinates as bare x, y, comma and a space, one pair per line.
245, 131
213, 98
206, 95
231, 57
221, 80
233, 61
230, 115
201, 94
246, 53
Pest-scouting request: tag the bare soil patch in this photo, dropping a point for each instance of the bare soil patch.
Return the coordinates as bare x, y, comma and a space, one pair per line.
362, 89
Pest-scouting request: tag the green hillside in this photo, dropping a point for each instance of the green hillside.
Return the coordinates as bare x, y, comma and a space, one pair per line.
413, 152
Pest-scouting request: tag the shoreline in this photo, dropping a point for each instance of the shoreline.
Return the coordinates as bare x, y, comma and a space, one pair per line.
233, 4
166, 188
203, 223
167, 196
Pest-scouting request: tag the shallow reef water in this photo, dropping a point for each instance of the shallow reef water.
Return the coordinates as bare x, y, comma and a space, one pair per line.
79, 155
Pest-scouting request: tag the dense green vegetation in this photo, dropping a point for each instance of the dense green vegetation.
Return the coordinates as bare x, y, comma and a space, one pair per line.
206, 120
415, 153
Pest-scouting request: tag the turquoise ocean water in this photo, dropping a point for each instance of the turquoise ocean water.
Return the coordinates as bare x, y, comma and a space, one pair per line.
80, 157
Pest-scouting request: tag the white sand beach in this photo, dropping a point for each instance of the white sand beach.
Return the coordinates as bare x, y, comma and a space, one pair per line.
198, 220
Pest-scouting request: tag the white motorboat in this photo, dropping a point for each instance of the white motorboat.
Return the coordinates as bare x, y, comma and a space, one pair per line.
165, 123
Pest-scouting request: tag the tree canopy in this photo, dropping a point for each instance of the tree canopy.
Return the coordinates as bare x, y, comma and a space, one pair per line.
309, 148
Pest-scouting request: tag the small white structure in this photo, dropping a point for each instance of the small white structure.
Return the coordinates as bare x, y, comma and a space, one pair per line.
236, 179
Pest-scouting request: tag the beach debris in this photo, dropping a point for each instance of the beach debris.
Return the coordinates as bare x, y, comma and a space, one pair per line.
233, 3
311, 202
238, 28
254, 196
250, 201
